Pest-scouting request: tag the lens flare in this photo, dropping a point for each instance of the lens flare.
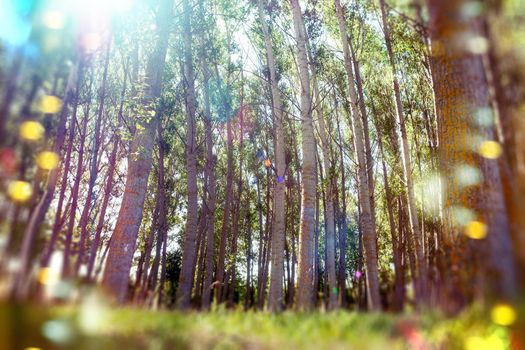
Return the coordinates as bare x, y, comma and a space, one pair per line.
490, 149
54, 19
90, 42
47, 160
476, 230
48, 276
50, 104
503, 314
20, 191
31, 131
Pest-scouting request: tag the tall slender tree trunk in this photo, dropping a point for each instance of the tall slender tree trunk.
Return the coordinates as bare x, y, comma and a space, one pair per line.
249, 271
74, 195
366, 218
212, 193
93, 173
39, 212
200, 251
262, 244
122, 246
141, 280
329, 169
162, 224
107, 190
275, 296
57, 225
189, 249
421, 264
305, 281
343, 229
461, 89
399, 287
366, 132
25, 114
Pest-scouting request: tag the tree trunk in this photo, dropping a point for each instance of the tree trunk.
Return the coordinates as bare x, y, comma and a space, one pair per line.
275, 296
57, 226
461, 90
421, 266
262, 244
367, 220
343, 230
74, 195
94, 169
212, 194
162, 224
39, 212
399, 287
364, 117
189, 251
107, 190
305, 280
122, 247
329, 201
227, 212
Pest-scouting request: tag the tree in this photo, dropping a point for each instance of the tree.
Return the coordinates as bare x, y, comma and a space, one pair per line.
186, 275
122, 246
275, 296
369, 234
461, 92
306, 233
421, 264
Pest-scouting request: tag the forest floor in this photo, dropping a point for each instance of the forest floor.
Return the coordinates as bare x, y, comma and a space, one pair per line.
91, 325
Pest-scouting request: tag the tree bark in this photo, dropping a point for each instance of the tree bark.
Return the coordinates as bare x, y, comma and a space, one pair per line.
421, 264
399, 287
122, 246
39, 212
107, 189
329, 169
189, 249
83, 225
343, 230
74, 195
369, 234
305, 279
461, 90
219, 275
57, 225
211, 193
275, 296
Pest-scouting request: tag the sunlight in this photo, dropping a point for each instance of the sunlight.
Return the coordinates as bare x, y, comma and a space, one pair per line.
295, 174
54, 19
101, 7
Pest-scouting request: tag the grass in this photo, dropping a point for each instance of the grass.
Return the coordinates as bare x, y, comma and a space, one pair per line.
92, 325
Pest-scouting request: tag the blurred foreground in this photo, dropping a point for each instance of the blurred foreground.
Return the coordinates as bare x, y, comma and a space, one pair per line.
92, 325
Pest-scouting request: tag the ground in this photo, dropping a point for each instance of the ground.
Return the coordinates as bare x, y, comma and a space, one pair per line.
94, 325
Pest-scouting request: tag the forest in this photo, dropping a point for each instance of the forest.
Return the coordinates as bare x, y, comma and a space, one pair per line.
262, 174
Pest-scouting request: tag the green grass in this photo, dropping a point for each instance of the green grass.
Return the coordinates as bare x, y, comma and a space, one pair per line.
94, 326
